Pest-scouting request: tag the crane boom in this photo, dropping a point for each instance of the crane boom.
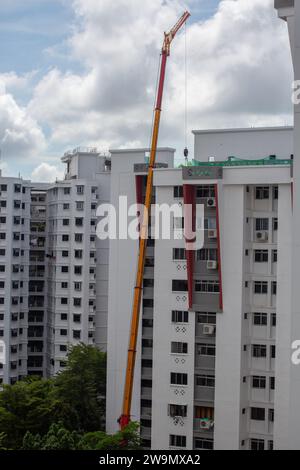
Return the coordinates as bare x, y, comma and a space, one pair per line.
131, 355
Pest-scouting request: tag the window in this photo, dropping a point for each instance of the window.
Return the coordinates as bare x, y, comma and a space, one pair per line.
64, 316
17, 188
80, 205
205, 444
66, 206
274, 256
65, 254
275, 192
80, 189
78, 254
76, 334
271, 415
210, 223
205, 191
147, 343
211, 287
2, 268
180, 316
76, 318
274, 287
262, 192
179, 285
179, 254
207, 254
258, 381
148, 283
66, 222
3, 220
178, 410
78, 270
64, 285
206, 317
206, 349
77, 302
178, 191
78, 237
64, 301
272, 383
64, 269
79, 221
179, 347
273, 319
177, 441
270, 445
260, 318
275, 224
3, 188
2, 252
2, 235
205, 381
259, 350
261, 256
67, 191
257, 444
65, 238
177, 378
273, 351
63, 332
262, 224
78, 286
3, 204
260, 287
258, 414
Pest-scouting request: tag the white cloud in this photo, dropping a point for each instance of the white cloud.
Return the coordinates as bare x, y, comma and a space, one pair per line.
46, 172
20, 135
239, 73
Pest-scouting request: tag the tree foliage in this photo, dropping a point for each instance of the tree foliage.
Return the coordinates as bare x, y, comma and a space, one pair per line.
52, 409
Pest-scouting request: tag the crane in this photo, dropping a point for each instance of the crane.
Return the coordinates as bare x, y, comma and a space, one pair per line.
124, 419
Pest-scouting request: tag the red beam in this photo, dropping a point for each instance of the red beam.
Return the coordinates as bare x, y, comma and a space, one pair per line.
219, 248
189, 197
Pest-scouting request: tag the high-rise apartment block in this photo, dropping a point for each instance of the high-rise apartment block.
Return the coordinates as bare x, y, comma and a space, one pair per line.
53, 268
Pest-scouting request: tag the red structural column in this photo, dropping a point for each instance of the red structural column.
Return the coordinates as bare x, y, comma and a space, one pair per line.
189, 198
139, 184
219, 248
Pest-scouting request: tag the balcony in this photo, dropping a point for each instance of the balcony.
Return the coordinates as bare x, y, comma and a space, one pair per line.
203, 425
204, 393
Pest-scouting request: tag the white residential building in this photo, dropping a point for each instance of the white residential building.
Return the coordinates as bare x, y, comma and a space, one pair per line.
53, 269
14, 269
205, 373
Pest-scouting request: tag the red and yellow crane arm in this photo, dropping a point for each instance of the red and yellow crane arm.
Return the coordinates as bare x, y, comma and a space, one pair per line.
131, 355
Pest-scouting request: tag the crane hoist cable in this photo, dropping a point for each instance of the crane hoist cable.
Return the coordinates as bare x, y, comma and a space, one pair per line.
131, 354
185, 151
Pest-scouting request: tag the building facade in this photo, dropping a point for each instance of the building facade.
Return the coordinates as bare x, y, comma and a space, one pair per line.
53, 268
206, 364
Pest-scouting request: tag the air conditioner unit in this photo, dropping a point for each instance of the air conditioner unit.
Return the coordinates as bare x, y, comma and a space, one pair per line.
211, 264
206, 424
212, 233
261, 236
208, 329
211, 202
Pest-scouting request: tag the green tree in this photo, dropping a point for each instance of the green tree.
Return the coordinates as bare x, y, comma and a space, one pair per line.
75, 398
80, 389
128, 439
60, 438
57, 438
28, 405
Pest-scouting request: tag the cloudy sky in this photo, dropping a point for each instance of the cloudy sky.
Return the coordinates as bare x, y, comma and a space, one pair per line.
83, 72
